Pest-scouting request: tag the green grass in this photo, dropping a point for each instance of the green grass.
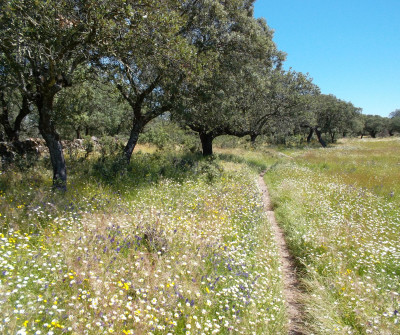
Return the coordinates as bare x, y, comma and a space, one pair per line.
175, 243
340, 210
370, 163
172, 243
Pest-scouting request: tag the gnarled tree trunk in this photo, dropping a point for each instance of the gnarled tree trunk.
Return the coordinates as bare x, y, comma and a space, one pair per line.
321, 141
12, 133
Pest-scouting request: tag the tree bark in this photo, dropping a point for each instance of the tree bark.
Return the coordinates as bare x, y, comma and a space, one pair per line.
310, 135
321, 141
53, 142
206, 143
253, 138
78, 133
23, 112
5, 120
133, 138
12, 133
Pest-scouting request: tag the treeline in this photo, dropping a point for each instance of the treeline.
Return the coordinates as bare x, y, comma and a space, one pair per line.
82, 67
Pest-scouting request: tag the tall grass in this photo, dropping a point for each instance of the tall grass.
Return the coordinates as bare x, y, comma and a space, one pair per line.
172, 244
340, 210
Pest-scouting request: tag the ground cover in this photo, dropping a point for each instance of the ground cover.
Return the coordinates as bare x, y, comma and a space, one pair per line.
171, 244
340, 211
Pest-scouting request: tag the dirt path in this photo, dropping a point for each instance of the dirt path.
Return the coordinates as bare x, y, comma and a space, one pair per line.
291, 290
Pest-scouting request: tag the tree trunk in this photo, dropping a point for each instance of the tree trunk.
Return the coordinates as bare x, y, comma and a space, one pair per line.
206, 143
253, 139
321, 141
310, 134
78, 133
332, 137
373, 134
133, 138
53, 142
11, 135
23, 112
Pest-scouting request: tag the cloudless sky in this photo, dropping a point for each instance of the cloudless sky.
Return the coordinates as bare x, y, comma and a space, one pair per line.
351, 48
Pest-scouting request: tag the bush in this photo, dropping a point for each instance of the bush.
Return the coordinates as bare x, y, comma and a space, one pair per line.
88, 145
110, 146
168, 135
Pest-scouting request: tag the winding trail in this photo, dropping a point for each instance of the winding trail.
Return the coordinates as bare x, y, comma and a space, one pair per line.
291, 289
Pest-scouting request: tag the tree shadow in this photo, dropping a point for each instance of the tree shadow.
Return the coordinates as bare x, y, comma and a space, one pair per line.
145, 169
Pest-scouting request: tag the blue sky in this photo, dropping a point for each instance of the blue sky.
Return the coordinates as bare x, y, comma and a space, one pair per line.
351, 48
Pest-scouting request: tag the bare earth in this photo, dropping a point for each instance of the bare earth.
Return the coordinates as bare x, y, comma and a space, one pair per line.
291, 290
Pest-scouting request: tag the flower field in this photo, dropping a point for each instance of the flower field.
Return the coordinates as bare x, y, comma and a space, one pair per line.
340, 210
164, 256
180, 245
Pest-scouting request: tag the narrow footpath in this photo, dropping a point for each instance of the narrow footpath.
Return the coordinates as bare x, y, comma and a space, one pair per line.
291, 290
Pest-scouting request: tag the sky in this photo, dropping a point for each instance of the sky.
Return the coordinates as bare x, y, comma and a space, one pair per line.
351, 48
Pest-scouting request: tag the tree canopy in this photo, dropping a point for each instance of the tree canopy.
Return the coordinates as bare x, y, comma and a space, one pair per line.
102, 67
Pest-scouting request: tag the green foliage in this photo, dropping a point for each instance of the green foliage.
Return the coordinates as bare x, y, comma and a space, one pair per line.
110, 145
210, 169
220, 103
284, 104
374, 125
90, 108
394, 122
166, 135
157, 136
88, 146
336, 117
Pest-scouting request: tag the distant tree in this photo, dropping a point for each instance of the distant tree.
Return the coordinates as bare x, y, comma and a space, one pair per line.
394, 122
374, 124
283, 102
356, 125
332, 116
395, 113
90, 107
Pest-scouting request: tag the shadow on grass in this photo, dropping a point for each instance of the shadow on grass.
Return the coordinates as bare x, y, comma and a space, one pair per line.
148, 169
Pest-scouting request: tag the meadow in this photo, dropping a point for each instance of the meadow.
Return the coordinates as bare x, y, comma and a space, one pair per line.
173, 244
179, 244
340, 211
